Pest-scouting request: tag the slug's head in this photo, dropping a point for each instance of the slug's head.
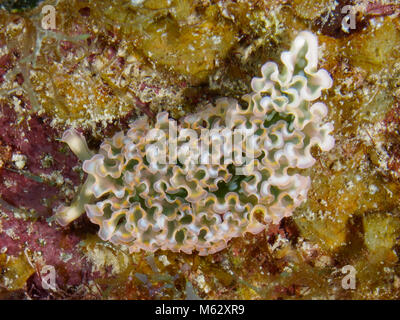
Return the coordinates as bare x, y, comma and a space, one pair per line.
66, 214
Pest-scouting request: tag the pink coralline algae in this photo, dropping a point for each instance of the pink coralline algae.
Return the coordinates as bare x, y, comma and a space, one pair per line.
59, 249
29, 188
47, 168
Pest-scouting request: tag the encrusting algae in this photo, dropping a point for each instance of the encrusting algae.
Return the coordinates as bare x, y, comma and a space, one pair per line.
194, 199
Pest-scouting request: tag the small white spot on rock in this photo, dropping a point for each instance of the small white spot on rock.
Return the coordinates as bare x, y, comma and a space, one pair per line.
19, 160
373, 189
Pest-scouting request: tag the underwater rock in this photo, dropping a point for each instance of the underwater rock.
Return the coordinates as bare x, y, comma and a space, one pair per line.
104, 65
44, 167
36, 243
381, 230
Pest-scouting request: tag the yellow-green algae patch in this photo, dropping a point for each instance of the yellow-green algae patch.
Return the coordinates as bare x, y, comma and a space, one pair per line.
381, 235
109, 59
15, 271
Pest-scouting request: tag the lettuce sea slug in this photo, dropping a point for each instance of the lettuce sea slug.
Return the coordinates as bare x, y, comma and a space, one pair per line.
214, 175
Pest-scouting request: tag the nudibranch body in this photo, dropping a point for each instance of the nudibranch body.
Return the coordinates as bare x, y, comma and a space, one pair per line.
185, 186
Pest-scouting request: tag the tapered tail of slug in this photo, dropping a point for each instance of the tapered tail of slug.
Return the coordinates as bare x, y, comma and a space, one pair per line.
66, 214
